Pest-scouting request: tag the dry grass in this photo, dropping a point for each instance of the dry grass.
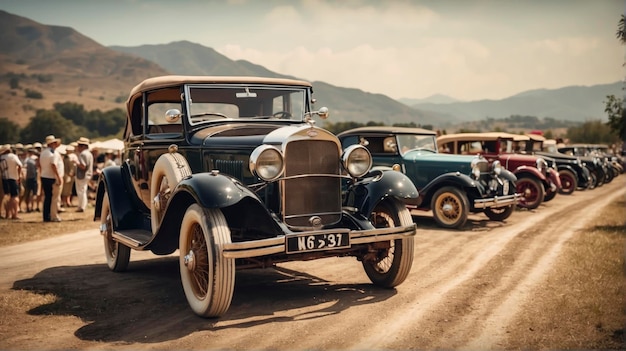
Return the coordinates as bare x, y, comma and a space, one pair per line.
30, 226
581, 305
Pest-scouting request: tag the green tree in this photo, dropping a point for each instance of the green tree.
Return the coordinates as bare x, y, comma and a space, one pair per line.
621, 30
48, 122
614, 108
105, 123
9, 131
14, 82
72, 111
592, 132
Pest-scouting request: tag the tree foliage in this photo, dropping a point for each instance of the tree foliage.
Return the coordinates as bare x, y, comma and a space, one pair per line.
621, 30
48, 122
592, 132
614, 107
9, 131
615, 110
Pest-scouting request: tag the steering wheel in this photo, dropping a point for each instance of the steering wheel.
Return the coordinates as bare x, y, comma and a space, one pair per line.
282, 114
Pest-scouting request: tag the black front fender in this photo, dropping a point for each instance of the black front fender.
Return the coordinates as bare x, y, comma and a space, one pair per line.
508, 175
242, 208
125, 211
367, 192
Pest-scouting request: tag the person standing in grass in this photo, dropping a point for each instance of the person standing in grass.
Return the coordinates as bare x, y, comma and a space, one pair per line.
84, 171
51, 178
11, 169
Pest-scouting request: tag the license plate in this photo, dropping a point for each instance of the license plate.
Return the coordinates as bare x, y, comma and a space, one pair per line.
317, 242
505, 187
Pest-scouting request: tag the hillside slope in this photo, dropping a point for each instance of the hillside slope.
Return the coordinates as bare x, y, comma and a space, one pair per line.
62, 65
575, 103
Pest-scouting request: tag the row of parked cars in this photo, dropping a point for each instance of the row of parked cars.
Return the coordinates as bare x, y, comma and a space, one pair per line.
234, 173
492, 173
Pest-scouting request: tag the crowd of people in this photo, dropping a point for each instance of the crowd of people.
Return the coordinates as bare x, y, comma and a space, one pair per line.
47, 177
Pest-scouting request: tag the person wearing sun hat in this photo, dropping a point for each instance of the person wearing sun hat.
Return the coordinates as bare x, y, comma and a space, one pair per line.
11, 169
31, 165
51, 165
84, 171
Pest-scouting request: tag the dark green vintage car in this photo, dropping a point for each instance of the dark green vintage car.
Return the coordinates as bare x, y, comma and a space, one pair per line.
233, 173
451, 186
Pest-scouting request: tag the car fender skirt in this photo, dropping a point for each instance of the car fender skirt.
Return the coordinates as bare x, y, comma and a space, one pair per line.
367, 192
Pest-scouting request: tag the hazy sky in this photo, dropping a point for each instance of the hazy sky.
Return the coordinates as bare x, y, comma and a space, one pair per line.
466, 49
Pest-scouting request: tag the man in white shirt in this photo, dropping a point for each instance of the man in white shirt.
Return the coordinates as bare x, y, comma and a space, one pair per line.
51, 165
11, 168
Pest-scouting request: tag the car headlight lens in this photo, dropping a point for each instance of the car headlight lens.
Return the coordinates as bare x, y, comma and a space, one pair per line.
356, 160
475, 168
266, 162
496, 167
541, 164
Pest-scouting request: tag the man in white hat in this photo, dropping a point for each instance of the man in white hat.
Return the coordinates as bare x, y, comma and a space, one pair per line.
84, 172
11, 169
51, 165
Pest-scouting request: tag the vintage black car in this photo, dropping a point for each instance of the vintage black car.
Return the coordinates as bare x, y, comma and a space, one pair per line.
572, 171
598, 168
451, 186
233, 173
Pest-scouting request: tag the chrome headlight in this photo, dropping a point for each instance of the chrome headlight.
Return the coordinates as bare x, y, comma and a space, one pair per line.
496, 167
357, 160
541, 164
475, 168
266, 162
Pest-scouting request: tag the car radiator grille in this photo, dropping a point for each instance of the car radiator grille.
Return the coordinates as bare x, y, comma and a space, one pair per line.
233, 168
318, 191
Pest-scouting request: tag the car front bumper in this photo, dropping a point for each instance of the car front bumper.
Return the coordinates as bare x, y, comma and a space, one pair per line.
498, 201
278, 245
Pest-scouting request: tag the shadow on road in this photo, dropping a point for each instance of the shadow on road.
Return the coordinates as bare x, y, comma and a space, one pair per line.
146, 304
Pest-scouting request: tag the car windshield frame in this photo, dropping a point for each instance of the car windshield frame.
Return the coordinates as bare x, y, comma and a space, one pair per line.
410, 142
244, 102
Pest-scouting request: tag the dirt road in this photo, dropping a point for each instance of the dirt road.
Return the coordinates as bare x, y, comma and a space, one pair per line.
464, 289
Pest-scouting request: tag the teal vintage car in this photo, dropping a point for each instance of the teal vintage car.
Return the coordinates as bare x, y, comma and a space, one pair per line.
451, 186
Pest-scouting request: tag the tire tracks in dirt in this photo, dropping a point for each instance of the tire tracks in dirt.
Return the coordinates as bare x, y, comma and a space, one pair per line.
468, 304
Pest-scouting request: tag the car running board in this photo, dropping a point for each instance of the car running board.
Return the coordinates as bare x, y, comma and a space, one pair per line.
133, 238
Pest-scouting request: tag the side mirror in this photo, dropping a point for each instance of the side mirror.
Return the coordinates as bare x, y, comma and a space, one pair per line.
323, 112
172, 115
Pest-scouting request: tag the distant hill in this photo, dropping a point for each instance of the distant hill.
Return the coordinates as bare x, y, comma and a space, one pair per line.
61, 65
435, 99
41, 65
187, 58
184, 57
574, 103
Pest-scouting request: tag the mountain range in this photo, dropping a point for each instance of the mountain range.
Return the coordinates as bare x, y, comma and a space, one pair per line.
63, 65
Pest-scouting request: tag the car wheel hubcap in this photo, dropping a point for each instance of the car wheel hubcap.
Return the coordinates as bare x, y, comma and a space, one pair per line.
190, 261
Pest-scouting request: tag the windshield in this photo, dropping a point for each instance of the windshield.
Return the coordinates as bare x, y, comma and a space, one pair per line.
408, 142
209, 103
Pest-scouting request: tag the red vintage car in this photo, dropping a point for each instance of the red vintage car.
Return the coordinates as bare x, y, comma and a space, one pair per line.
537, 181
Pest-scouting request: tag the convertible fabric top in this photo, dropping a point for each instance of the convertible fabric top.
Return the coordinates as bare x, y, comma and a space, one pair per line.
174, 80
171, 81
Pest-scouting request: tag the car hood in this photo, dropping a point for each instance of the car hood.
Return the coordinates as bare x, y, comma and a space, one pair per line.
229, 136
438, 157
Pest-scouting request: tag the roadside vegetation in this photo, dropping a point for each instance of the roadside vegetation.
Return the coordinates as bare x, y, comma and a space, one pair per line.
581, 305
